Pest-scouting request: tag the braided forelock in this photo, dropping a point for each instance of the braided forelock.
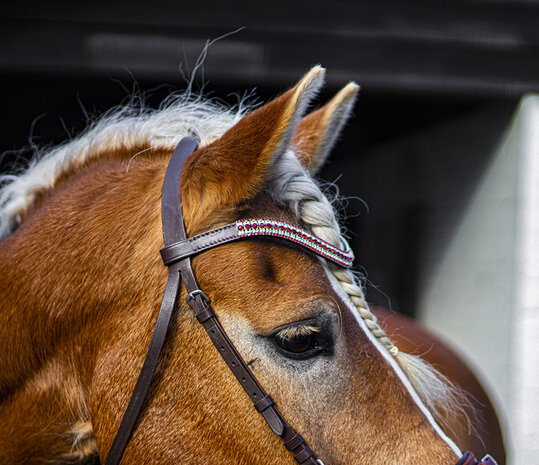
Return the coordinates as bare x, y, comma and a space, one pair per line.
293, 187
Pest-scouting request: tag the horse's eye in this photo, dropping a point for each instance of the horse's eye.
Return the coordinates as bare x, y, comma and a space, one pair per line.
296, 344
303, 341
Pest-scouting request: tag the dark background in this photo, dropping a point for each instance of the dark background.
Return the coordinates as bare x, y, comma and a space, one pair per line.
419, 63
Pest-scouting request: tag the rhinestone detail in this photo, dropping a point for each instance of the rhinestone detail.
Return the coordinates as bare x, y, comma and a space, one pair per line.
284, 230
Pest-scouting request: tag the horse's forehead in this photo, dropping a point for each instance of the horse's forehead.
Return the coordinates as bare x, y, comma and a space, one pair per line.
266, 282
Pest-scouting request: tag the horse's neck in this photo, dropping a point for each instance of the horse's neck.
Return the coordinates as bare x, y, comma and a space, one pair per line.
16, 328
70, 279
68, 259
38, 389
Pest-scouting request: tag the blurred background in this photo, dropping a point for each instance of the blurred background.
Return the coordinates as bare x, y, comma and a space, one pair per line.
439, 166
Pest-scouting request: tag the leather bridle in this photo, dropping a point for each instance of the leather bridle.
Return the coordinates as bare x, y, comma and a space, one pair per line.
176, 256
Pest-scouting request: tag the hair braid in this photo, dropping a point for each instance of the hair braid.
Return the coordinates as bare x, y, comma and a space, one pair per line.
294, 187
299, 192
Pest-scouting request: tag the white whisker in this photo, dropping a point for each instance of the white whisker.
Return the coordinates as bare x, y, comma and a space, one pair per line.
134, 156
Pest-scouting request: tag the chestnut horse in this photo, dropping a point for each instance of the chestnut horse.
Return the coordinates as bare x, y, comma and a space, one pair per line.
82, 280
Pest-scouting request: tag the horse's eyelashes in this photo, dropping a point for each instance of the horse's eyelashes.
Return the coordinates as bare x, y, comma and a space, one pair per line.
301, 342
297, 344
301, 329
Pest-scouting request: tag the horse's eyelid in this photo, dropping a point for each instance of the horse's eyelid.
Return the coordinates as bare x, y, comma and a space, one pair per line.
302, 330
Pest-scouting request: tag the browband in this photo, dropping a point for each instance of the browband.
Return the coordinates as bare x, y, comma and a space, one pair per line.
256, 227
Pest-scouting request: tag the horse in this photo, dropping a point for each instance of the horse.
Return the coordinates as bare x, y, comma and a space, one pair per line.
82, 282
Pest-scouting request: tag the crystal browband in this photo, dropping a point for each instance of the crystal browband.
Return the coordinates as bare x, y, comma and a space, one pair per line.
257, 227
284, 230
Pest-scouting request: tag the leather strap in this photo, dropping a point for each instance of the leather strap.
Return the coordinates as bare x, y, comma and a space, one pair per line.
194, 245
204, 313
173, 231
469, 459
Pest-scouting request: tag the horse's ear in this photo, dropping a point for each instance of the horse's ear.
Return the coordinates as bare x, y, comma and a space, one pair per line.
235, 166
317, 132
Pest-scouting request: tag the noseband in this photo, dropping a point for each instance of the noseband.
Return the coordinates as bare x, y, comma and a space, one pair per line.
176, 256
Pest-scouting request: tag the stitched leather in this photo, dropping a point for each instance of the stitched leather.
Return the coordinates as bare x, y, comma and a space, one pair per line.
252, 227
205, 315
176, 254
217, 334
294, 442
263, 403
189, 247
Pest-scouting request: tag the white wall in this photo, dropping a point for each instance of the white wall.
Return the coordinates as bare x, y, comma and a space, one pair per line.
523, 398
481, 289
473, 269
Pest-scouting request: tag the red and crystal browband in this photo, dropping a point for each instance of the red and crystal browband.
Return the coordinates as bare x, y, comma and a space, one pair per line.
257, 227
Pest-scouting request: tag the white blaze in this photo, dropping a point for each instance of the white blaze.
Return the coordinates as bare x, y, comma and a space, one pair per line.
396, 368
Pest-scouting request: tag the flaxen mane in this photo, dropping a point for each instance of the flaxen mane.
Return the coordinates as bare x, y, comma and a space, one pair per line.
124, 128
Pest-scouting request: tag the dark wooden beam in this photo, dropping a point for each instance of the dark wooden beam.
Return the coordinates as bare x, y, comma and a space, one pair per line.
480, 47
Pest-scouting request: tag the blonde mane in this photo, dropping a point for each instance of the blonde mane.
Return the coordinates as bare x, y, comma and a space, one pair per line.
125, 127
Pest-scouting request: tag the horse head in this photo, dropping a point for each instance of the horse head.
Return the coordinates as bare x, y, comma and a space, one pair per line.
84, 280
